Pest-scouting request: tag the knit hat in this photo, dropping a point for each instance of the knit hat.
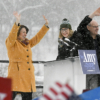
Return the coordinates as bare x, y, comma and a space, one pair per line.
65, 24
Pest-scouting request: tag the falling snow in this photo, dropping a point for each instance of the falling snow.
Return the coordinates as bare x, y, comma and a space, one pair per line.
31, 15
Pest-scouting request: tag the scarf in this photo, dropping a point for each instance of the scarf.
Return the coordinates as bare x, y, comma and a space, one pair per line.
26, 41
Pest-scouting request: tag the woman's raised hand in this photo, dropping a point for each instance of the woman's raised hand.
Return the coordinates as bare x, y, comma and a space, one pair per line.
17, 16
47, 22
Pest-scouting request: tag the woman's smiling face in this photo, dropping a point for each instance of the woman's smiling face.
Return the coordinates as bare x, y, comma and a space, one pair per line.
65, 32
22, 34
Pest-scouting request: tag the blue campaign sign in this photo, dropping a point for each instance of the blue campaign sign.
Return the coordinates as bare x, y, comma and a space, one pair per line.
36, 98
88, 60
91, 95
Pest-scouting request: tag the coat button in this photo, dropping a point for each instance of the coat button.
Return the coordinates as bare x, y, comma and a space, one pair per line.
28, 68
27, 49
27, 62
27, 56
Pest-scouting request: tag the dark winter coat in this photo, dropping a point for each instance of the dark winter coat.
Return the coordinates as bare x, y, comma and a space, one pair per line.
84, 39
65, 51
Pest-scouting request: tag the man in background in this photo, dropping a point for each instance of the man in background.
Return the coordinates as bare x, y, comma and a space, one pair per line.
88, 38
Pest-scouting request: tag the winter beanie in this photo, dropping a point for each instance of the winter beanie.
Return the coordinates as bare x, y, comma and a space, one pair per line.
65, 24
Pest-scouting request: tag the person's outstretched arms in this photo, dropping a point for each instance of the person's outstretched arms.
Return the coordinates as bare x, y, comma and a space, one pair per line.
36, 39
83, 25
10, 41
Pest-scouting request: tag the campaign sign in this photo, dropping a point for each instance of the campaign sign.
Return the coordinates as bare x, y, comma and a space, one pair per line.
91, 95
88, 60
5, 89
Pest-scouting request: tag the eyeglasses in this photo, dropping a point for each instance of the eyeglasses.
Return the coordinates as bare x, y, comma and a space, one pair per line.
64, 30
94, 26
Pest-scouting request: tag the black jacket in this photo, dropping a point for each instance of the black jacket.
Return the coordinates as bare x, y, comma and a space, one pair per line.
65, 51
87, 42
83, 38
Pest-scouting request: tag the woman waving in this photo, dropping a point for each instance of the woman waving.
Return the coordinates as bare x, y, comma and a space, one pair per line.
21, 69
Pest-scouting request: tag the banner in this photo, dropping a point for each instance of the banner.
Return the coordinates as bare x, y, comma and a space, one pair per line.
5, 89
88, 60
91, 95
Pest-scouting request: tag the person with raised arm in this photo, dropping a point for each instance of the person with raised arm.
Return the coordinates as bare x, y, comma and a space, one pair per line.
21, 69
87, 37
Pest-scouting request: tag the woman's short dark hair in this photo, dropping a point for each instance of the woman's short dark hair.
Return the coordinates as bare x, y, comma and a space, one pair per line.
22, 26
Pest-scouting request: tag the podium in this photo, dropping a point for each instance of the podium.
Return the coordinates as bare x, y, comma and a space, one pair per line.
68, 70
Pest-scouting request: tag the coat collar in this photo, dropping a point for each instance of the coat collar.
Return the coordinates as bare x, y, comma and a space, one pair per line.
24, 43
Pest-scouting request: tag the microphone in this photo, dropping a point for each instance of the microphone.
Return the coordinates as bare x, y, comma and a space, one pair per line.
70, 42
71, 45
61, 41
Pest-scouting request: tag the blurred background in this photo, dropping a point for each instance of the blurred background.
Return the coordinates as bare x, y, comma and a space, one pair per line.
32, 12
